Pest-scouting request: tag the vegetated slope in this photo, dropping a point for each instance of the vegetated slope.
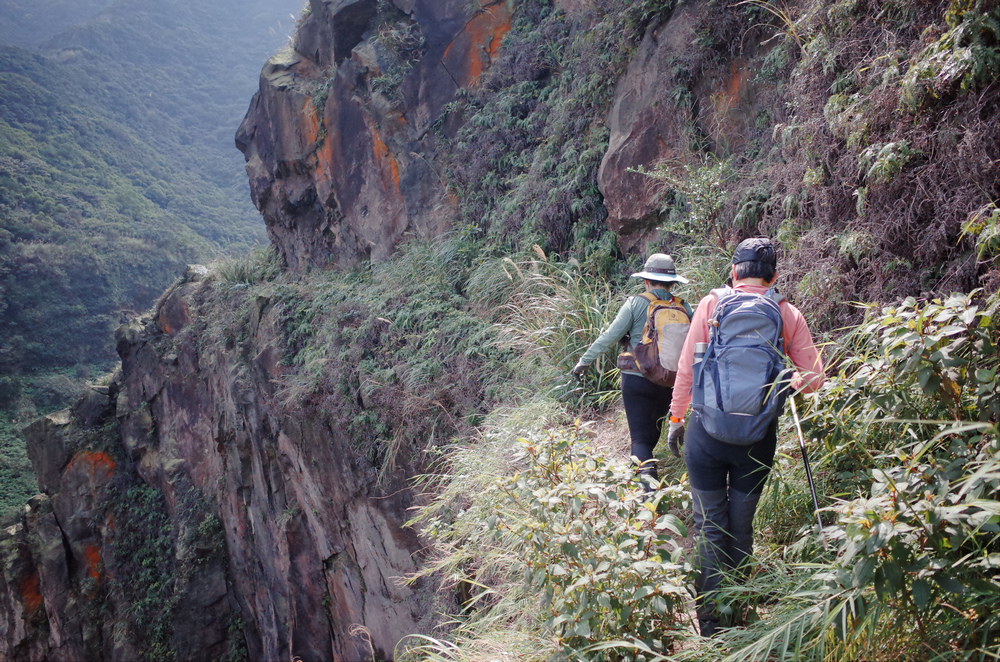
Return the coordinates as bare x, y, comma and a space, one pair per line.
861, 136
180, 73
117, 143
27, 23
871, 156
116, 170
247, 474
880, 176
88, 225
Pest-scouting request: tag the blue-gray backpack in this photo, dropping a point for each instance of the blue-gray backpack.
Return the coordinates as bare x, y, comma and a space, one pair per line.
740, 385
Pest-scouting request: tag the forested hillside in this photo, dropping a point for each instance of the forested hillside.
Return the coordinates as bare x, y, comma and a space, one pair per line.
116, 170
28, 24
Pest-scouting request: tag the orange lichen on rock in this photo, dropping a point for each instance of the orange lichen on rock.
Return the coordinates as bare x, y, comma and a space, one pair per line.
384, 159
92, 557
311, 123
500, 30
736, 89
99, 463
324, 158
173, 315
322, 153
482, 37
31, 598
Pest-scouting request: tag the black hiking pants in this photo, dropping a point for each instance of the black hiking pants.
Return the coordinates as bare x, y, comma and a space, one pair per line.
647, 406
726, 484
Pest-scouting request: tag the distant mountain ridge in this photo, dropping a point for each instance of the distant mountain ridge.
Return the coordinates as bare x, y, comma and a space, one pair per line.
29, 23
125, 120
117, 169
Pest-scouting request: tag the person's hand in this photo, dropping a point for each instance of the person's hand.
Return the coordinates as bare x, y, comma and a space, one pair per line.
580, 368
675, 436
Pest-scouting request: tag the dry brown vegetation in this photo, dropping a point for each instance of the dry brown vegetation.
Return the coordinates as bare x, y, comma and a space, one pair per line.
871, 173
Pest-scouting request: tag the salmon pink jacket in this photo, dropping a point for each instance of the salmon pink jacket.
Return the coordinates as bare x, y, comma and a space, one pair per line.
798, 346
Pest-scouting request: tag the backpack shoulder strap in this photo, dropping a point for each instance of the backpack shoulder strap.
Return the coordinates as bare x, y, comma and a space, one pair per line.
649, 298
720, 292
774, 295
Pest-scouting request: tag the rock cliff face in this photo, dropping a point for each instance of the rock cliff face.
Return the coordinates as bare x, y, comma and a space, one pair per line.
339, 153
645, 131
263, 532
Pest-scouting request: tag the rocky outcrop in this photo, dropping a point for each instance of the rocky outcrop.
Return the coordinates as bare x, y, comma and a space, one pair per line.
262, 530
342, 140
315, 548
339, 150
666, 101
77, 578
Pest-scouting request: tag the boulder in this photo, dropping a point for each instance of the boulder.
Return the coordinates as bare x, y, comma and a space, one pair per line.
648, 126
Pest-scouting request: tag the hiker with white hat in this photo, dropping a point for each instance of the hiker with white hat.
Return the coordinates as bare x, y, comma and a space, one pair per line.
646, 389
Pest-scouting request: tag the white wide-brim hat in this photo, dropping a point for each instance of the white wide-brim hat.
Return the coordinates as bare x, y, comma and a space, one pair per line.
660, 267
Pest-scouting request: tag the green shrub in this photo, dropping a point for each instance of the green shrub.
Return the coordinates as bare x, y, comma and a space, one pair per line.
910, 423
145, 567
966, 55
701, 188
17, 480
613, 579
881, 163
984, 225
907, 367
914, 575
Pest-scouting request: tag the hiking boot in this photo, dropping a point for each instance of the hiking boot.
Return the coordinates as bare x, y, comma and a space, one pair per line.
708, 627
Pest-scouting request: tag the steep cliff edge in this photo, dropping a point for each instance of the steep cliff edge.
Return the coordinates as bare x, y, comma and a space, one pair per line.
339, 153
188, 514
367, 130
524, 123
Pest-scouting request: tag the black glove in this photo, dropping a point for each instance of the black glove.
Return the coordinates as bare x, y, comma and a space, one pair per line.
675, 437
580, 368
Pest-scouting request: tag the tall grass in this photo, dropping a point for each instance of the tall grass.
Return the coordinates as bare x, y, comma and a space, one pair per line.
257, 265
492, 612
552, 315
548, 549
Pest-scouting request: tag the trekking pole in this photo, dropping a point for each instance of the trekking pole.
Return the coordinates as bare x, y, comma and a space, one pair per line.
809, 477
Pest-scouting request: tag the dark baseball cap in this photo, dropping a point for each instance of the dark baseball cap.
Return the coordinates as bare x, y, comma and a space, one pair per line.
755, 249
